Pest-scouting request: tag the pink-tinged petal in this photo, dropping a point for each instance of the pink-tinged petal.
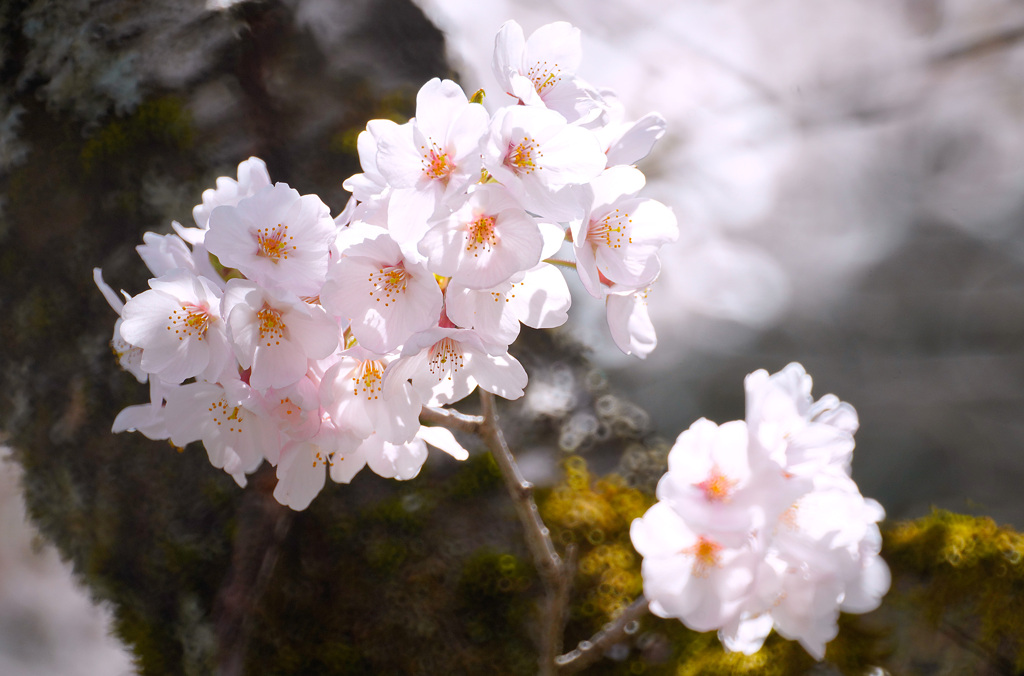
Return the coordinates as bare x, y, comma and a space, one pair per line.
586, 268
115, 302
398, 158
387, 298
542, 298
746, 635
442, 438
300, 476
252, 177
630, 323
316, 332
554, 237
438, 103
509, 44
394, 461
143, 418
660, 532
488, 311
573, 155
277, 366
502, 375
554, 47
865, 593
615, 183
636, 143
409, 212
346, 465
163, 253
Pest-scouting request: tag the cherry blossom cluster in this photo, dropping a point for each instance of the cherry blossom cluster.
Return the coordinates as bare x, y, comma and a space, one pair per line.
272, 331
758, 524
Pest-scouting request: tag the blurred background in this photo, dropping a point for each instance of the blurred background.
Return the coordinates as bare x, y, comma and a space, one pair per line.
848, 178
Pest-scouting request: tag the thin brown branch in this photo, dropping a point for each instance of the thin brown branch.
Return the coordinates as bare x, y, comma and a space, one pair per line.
555, 574
588, 652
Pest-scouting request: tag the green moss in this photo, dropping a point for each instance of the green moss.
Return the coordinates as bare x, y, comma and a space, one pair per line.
477, 476
964, 571
158, 123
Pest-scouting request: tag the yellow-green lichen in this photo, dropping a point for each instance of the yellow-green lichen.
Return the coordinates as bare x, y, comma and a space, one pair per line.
964, 571
594, 514
161, 122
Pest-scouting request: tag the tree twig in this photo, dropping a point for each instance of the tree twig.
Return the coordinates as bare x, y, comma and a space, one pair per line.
452, 419
555, 575
588, 652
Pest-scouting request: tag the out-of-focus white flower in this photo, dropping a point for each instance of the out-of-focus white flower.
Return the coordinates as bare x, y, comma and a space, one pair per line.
689, 575
740, 543
802, 435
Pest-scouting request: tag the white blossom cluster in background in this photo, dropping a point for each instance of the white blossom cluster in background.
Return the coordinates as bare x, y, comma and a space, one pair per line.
272, 331
758, 524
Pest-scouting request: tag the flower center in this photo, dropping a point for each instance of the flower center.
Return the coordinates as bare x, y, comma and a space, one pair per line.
274, 242
322, 457
612, 230
481, 235
272, 327
543, 76
705, 555
229, 418
717, 487
446, 357
436, 164
523, 157
190, 320
369, 377
388, 282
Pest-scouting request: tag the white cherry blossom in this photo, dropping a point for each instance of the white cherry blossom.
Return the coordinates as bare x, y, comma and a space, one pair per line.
128, 356
353, 393
227, 419
387, 297
275, 333
178, 326
539, 298
541, 70
543, 160
618, 240
395, 461
276, 238
304, 465
800, 433
629, 321
446, 364
485, 241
